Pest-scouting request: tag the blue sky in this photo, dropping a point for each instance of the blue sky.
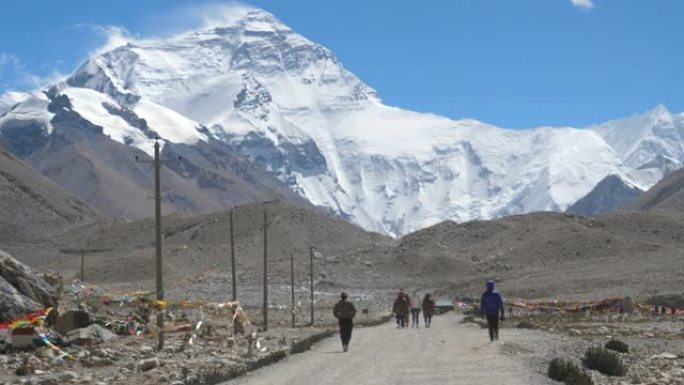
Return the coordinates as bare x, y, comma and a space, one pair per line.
513, 63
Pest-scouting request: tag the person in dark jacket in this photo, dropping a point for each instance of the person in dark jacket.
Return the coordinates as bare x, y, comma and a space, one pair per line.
428, 309
400, 308
491, 306
345, 312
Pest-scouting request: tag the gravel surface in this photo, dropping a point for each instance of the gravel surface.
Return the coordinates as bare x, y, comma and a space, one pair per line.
448, 353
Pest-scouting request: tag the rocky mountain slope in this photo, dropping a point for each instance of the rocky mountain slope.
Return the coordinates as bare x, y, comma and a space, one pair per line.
32, 206
84, 157
536, 255
258, 89
546, 255
611, 195
667, 195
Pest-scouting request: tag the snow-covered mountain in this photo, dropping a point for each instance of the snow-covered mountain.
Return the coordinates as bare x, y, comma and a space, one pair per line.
650, 145
271, 95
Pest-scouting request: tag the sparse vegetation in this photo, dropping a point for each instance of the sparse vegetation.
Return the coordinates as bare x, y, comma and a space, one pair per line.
560, 369
605, 361
617, 345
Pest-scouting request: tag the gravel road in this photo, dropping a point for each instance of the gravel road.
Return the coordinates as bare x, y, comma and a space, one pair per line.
447, 353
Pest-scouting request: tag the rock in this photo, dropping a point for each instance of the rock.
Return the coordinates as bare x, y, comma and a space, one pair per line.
668, 356
71, 320
68, 376
512, 348
97, 362
21, 291
34, 361
48, 380
148, 364
89, 335
24, 370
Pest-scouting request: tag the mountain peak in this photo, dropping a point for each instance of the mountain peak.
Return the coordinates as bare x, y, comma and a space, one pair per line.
246, 20
659, 113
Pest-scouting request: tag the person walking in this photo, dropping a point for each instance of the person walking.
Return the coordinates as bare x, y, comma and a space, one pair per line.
491, 306
345, 312
400, 309
415, 302
428, 309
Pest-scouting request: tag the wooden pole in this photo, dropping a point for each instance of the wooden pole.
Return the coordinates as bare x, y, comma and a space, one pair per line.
232, 255
311, 288
82, 265
158, 244
292, 287
265, 310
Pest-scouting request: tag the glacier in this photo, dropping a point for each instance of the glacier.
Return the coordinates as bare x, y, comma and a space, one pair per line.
289, 105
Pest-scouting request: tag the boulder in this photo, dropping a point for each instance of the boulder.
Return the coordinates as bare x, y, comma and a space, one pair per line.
92, 334
72, 320
21, 291
149, 364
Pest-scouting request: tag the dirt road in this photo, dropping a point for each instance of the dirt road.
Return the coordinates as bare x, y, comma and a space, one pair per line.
447, 353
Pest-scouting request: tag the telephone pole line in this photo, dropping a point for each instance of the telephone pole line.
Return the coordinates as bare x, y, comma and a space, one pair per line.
232, 255
292, 288
265, 310
311, 275
82, 265
158, 244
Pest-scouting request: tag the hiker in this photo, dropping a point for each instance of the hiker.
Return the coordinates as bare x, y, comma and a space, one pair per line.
428, 309
415, 309
490, 306
400, 309
345, 311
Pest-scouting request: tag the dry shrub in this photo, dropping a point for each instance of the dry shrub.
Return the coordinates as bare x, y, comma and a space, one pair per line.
605, 361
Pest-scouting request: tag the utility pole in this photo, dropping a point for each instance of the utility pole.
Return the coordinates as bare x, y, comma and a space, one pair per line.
311, 288
82, 265
265, 271
232, 255
292, 290
158, 244
158, 241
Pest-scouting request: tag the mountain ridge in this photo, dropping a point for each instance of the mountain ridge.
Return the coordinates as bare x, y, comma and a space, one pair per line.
287, 104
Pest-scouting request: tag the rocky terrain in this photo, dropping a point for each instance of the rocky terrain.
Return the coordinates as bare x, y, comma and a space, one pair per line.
32, 206
21, 291
666, 196
534, 256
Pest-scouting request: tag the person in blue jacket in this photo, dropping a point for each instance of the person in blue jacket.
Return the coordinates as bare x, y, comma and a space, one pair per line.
491, 306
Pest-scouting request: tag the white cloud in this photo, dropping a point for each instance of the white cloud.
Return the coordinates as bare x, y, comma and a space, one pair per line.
583, 4
115, 37
15, 76
9, 61
213, 15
